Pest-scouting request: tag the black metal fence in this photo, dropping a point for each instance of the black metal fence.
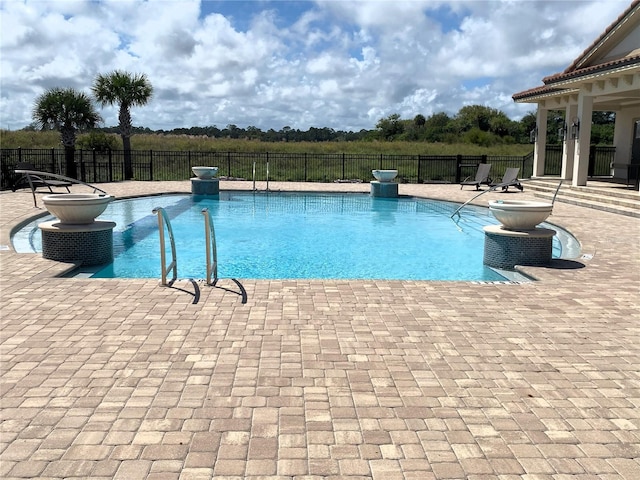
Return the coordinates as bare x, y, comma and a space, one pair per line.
601, 159
553, 160
150, 165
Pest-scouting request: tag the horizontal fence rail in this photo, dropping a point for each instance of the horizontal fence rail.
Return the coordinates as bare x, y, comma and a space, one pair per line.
150, 165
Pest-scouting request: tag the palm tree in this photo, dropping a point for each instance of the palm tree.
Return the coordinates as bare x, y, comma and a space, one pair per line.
127, 90
68, 111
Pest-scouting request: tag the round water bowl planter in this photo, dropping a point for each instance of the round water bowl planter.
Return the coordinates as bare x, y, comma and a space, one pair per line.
205, 173
76, 208
384, 175
520, 214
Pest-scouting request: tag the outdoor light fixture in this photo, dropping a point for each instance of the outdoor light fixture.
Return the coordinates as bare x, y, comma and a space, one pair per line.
562, 132
533, 134
575, 129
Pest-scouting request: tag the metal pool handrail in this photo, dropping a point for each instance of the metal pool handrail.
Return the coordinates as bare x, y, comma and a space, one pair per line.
494, 187
163, 219
553, 200
211, 248
254, 174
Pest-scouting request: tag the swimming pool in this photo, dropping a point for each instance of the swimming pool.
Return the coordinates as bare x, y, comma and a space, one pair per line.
298, 235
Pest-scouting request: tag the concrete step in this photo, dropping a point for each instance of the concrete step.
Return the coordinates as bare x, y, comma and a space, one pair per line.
611, 195
595, 187
606, 197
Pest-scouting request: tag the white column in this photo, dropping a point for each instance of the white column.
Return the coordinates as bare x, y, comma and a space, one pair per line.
569, 144
581, 156
540, 146
622, 140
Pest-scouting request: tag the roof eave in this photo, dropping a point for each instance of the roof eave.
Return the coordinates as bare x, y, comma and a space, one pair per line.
569, 85
537, 96
613, 67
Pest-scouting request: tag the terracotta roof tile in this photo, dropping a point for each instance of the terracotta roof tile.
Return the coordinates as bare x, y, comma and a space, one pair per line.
620, 62
549, 82
532, 92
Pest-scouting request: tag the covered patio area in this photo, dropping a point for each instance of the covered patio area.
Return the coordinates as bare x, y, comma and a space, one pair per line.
605, 78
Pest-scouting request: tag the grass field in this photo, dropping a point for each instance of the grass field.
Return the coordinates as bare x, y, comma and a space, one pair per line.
50, 139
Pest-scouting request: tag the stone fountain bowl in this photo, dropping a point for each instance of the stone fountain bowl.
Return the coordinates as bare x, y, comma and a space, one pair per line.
520, 214
384, 175
76, 208
205, 173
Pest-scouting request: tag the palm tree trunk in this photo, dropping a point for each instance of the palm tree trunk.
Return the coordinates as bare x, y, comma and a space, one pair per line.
128, 165
68, 138
124, 118
70, 162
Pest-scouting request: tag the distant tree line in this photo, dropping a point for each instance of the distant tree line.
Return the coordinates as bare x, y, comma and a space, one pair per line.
484, 126
286, 134
473, 124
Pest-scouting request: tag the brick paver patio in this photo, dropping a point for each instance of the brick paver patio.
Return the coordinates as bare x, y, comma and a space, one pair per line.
312, 379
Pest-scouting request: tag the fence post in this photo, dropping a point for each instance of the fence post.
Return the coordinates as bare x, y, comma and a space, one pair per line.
83, 173
95, 165
483, 159
305, 166
19, 154
53, 160
458, 168
419, 169
142, 166
343, 167
592, 160
229, 164
110, 160
150, 164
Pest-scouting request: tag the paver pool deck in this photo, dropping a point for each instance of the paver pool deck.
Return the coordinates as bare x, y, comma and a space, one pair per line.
324, 379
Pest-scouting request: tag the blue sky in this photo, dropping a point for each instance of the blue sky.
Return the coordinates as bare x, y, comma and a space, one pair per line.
241, 12
327, 63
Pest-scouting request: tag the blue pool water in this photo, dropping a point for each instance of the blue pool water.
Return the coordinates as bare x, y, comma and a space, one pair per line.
299, 235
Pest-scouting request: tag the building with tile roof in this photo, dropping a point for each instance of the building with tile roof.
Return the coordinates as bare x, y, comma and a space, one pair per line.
605, 77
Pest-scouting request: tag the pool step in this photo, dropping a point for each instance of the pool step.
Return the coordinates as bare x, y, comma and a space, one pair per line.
608, 197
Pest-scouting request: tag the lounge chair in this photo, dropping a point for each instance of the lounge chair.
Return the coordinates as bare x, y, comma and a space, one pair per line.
509, 179
482, 176
36, 180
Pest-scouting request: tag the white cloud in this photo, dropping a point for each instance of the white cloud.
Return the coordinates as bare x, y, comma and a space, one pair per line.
337, 64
